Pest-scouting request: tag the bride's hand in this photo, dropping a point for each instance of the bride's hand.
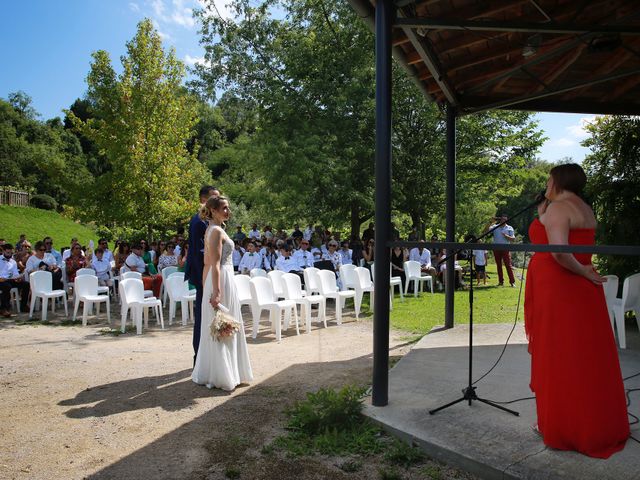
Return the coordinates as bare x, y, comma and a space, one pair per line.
214, 300
591, 274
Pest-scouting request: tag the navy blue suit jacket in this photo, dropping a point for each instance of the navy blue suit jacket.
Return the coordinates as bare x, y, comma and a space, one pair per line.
195, 255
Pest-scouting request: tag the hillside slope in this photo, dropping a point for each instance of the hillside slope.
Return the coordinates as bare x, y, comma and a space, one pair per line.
38, 224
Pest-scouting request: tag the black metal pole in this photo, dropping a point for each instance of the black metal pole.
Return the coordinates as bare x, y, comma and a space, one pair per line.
450, 214
384, 19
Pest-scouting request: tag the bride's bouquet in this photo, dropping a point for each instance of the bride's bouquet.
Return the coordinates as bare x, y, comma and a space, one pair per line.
223, 324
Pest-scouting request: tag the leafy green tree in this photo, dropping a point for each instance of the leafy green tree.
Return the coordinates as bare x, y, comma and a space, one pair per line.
142, 120
613, 169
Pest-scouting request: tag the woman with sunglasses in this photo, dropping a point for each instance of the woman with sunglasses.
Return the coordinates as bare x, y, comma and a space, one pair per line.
75, 262
41, 260
168, 257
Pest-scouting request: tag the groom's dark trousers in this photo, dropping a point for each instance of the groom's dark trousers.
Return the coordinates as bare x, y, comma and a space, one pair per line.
193, 273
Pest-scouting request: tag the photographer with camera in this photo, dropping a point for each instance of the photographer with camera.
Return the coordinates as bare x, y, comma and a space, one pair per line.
502, 235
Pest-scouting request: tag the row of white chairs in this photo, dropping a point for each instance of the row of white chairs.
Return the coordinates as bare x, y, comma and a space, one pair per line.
618, 306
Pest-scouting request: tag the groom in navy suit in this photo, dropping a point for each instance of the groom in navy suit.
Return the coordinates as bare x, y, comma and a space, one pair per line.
195, 262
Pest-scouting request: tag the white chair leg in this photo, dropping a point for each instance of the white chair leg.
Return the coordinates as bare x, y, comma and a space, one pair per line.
339, 311
431, 284
307, 316
138, 317
255, 313
193, 318
85, 306
322, 311
32, 305
159, 317
76, 304
123, 319
390, 299
357, 302
184, 308
146, 316
108, 311
45, 306
276, 316
295, 315
66, 307
618, 313
287, 318
172, 311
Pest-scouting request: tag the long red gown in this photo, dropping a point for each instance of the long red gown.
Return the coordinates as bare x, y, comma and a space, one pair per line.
575, 372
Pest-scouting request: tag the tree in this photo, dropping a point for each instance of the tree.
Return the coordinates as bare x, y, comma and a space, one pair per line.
613, 169
142, 120
23, 104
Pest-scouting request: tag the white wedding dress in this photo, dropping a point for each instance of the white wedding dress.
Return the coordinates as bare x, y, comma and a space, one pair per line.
221, 363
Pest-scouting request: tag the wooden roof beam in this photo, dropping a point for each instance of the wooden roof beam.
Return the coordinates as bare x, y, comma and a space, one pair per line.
623, 88
522, 27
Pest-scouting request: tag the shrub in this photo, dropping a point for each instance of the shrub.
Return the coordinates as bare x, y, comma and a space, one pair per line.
45, 202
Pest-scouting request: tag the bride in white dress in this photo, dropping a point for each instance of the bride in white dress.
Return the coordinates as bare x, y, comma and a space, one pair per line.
220, 363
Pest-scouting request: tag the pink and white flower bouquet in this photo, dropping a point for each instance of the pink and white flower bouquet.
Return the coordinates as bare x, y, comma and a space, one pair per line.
223, 324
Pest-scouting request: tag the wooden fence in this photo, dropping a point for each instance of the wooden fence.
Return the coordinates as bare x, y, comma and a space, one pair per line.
9, 196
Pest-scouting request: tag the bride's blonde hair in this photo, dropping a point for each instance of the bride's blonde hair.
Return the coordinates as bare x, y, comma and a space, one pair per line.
212, 204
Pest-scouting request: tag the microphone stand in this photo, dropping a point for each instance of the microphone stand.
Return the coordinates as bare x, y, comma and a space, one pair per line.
469, 392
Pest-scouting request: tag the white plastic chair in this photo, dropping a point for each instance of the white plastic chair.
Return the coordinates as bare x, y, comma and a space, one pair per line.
14, 296
610, 288
329, 289
86, 291
348, 276
137, 276
41, 284
413, 274
363, 284
276, 280
257, 272
630, 301
132, 297
90, 271
311, 280
178, 291
243, 288
293, 291
165, 272
264, 299
393, 282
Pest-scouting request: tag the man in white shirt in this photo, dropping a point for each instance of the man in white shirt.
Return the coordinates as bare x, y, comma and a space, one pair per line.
254, 233
303, 257
48, 244
11, 278
502, 235
308, 232
236, 256
423, 256
102, 267
285, 262
250, 260
135, 263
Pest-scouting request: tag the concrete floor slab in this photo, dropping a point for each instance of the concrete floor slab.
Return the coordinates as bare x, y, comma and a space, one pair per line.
480, 438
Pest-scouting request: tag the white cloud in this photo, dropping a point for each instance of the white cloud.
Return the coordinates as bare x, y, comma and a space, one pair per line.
158, 8
220, 7
134, 7
163, 35
562, 142
578, 131
191, 61
182, 15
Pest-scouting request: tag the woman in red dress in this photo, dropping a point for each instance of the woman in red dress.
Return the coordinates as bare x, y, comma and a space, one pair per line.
575, 372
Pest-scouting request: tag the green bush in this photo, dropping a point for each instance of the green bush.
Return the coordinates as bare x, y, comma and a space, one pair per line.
327, 410
44, 202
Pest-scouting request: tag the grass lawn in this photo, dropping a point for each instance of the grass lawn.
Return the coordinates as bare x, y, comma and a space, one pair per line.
37, 224
492, 304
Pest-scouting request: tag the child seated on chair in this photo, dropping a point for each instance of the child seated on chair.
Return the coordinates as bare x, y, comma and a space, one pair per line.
102, 268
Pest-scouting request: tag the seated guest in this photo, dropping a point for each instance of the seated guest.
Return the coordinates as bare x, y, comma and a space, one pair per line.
68, 252
297, 233
356, 249
102, 267
308, 232
23, 238
269, 257
168, 257
398, 257
22, 255
346, 253
459, 283
250, 260
182, 256
254, 233
11, 278
281, 234
239, 236
41, 260
107, 254
285, 262
135, 263
303, 257
157, 249
147, 257
423, 257
268, 233
317, 237
48, 243
237, 254
369, 251
121, 255
75, 261
180, 243
333, 255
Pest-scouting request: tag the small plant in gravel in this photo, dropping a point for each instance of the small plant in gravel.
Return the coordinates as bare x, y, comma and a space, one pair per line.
389, 474
330, 422
434, 472
350, 466
232, 473
403, 454
115, 332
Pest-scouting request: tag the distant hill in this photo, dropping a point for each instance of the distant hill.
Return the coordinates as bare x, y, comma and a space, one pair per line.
37, 224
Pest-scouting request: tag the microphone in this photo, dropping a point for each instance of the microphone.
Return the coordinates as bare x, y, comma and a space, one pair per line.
540, 197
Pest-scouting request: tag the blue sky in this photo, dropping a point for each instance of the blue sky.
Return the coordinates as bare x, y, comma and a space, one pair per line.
45, 50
